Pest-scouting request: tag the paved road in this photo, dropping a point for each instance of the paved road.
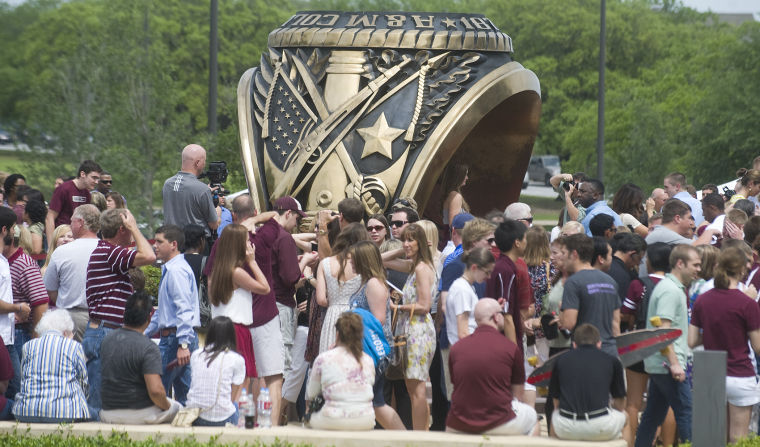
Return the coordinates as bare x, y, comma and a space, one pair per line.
536, 189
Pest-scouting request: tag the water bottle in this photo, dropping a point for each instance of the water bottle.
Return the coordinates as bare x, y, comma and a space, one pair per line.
243, 404
265, 409
250, 414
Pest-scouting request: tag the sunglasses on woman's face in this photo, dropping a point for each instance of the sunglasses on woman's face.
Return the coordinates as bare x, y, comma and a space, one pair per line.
377, 228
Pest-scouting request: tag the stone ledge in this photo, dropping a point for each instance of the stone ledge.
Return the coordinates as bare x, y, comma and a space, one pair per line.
297, 435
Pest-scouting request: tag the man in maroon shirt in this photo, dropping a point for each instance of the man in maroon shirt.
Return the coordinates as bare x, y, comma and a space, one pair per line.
286, 272
504, 283
70, 195
488, 374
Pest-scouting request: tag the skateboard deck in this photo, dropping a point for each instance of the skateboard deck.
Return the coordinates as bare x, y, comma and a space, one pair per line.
633, 347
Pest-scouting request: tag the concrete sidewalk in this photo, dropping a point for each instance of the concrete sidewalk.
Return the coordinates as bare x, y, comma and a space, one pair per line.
296, 435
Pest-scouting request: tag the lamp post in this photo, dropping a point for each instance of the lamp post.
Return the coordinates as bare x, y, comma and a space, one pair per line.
212, 67
600, 119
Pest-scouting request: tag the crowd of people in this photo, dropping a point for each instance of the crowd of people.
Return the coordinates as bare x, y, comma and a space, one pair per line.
344, 318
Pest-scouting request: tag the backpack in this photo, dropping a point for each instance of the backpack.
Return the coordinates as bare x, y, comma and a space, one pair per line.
641, 311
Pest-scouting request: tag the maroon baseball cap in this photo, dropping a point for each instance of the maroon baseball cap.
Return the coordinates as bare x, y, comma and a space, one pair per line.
289, 203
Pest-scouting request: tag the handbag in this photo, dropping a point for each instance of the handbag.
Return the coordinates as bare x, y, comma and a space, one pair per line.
187, 415
399, 350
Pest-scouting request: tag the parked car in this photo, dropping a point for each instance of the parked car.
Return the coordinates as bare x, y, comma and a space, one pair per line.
526, 179
5, 137
543, 167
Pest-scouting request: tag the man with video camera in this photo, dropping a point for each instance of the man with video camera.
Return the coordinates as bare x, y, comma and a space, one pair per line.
186, 199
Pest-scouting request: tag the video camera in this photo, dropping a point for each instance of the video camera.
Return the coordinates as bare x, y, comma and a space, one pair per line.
216, 174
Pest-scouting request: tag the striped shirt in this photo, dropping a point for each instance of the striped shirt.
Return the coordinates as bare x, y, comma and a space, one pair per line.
54, 379
108, 285
26, 281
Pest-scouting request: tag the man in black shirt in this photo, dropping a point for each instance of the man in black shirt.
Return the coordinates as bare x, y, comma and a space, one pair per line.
581, 384
627, 252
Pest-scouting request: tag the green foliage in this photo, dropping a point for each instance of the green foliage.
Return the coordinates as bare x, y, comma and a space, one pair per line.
125, 82
152, 279
118, 439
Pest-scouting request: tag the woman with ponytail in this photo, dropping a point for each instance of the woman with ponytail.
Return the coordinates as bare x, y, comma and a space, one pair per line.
729, 320
747, 186
343, 376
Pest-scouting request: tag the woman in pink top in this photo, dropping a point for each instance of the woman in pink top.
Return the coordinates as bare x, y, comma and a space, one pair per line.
729, 320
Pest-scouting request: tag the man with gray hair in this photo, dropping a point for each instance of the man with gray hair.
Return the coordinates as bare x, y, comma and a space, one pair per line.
55, 375
521, 212
66, 276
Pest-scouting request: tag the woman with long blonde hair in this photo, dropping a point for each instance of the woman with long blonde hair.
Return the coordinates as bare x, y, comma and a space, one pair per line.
62, 235
231, 284
416, 302
373, 296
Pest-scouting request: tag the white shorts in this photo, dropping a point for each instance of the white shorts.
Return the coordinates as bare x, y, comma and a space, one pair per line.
522, 424
267, 348
742, 391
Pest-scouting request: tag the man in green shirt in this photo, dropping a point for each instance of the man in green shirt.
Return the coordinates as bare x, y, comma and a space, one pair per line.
667, 385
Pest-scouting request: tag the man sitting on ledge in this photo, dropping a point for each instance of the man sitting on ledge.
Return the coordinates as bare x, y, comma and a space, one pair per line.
581, 384
132, 392
488, 374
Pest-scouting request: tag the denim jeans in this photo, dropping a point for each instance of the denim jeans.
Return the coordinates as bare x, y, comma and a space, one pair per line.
6, 413
179, 377
91, 344
204, 423
664, 392
14, 385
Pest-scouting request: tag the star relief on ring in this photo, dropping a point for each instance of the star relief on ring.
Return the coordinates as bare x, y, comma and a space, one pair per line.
379, 138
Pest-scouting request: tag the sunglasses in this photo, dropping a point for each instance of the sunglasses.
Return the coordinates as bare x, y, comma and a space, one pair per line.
108, 182
527, 219
377, 228
399, 223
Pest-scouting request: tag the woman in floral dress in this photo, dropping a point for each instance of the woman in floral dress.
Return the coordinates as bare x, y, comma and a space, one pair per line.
417, 299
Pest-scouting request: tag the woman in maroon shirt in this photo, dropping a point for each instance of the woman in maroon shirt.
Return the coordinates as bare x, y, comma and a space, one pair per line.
729, 320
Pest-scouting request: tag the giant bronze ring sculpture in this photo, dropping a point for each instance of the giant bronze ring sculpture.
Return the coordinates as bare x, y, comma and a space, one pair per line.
375, 105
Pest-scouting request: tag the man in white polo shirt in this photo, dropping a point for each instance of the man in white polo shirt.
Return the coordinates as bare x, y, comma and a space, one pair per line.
66, 276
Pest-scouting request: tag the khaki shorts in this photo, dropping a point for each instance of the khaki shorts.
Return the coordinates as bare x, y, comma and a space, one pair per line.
267, 348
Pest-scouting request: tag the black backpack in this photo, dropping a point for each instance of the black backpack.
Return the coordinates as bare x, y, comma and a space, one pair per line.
641, 311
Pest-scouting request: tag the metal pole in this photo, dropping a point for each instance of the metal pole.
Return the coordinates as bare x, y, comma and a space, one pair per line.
212, 68
600, 119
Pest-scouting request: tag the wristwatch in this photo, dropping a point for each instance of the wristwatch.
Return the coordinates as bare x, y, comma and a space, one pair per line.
183, 345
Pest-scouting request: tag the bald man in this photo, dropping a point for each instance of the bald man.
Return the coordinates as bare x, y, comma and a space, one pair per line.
488, 374
186, 199
655, 202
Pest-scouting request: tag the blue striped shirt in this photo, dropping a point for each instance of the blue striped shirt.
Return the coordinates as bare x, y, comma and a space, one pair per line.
54, 379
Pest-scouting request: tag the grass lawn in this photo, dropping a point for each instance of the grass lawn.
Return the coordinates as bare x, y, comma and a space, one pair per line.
544, 208
11, 162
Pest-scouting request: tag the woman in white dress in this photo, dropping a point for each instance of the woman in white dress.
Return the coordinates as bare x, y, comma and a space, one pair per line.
337, 281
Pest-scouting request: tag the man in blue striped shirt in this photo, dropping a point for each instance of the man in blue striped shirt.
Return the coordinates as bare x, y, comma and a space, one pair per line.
178, 312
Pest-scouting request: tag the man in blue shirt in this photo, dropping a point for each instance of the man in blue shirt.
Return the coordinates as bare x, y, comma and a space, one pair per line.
591, 197
675, 187
177, 312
